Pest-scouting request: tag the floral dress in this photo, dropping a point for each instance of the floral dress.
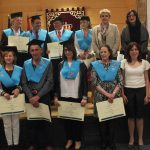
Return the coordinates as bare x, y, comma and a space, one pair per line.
108, 86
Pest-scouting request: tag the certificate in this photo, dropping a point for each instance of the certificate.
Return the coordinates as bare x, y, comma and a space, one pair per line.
56, 50
20, 42
12, 106
38, 113
71, 110
107, 111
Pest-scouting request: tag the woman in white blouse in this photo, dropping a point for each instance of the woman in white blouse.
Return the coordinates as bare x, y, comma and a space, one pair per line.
71, 87
135, 92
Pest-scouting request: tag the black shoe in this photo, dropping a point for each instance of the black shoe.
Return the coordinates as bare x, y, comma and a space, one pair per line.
10, 147
16, 147
140, 147
131, 147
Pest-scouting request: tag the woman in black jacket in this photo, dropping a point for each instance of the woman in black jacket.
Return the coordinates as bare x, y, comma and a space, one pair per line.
72, 87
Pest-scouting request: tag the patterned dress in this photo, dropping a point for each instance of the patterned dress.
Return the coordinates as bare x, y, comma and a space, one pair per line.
108, 86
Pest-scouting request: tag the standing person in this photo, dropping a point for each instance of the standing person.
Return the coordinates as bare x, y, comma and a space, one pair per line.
134, 31
107, 82
15, 30
37, 33
37, 82
83, 38
10, 75
135, 92
105, 33
59, 34
72, 87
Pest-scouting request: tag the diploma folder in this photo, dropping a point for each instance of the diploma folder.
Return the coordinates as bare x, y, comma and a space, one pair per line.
107, 111
12, 106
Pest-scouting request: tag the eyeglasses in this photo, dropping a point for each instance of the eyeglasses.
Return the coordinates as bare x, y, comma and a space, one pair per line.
131, 15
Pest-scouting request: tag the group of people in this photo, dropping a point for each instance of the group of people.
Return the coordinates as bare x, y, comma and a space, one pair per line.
66, 76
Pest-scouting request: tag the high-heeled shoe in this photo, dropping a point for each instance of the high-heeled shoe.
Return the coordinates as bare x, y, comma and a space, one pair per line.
131, 146
140, 147
69, 145
77, 145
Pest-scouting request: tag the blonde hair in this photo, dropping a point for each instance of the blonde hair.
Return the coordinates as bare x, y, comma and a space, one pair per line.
104, 11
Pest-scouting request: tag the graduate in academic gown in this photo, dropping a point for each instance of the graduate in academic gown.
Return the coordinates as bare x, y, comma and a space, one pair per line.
83, 39
58, 35
107, 83
37, 33
72, 87
37, 82
10, 75
15, 30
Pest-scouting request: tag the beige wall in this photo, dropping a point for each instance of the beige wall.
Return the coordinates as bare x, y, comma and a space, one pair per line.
118, 9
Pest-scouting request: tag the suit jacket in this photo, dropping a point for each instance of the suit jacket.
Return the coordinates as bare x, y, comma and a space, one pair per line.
112, 39
43, 87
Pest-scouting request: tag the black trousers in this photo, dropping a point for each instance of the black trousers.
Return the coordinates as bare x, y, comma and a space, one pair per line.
73, 129
38, 133
107, 132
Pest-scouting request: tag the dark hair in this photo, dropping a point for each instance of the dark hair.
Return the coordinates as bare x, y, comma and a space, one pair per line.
70, 47
138, 22
109, 50
87, 18
129, 48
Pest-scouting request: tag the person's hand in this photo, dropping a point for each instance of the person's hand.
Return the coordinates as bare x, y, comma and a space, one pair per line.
86, 53
82, 55
36, 104
16, 92
110, 101
125, 99
48, 51
56, 102
83, 102
110, 95
34, 100
146, 100
7, 96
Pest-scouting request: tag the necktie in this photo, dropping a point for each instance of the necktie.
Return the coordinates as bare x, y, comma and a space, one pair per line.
59, 34
36, 35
